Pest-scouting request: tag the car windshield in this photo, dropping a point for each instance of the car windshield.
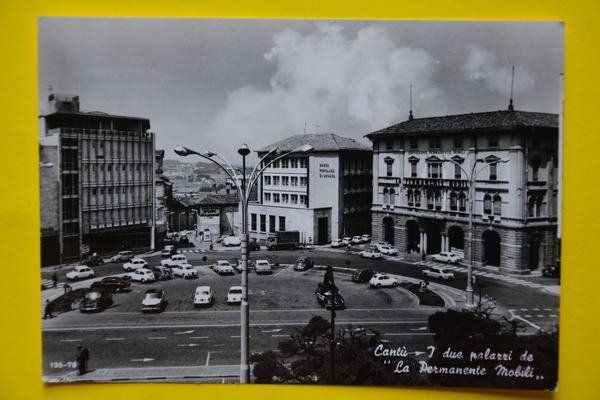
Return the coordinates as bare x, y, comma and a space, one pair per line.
92, 295
235, 291
153, 295
223, 263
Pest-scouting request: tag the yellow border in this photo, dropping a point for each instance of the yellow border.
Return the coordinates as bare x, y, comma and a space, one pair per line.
20, 365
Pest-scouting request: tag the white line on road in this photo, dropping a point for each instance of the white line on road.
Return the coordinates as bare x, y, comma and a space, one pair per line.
280, 335
70, 340
156, 337
114, 338
185, 332
188, 345
282, 269
422, 328
198, 337
272, 331
208, 356
235, 336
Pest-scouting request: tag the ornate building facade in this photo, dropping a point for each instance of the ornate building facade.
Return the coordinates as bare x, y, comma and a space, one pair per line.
496, 172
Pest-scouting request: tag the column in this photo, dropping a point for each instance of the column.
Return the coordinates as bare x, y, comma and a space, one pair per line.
424, 243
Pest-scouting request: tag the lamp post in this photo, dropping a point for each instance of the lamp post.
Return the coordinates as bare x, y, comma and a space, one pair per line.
471, 176
244, 193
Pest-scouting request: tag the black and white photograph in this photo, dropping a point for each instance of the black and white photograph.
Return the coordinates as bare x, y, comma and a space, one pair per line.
339, 202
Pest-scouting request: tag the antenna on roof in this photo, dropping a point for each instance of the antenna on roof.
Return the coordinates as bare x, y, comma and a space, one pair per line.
410, 114
512, 81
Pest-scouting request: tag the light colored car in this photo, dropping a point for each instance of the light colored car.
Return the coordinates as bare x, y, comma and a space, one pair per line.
438, 272
134, 264
203, 296
366, 238
356, 240
387, 250
382, 244
223, 267
371, 253
383, 280
446, 257
121, 256
234, 296
186, 271
346, 240
337, 243
154, 300
263, 267
80, 272
168, 251
231, 241
174, 261
141, 275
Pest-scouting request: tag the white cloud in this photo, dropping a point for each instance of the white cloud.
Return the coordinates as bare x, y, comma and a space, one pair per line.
351, 86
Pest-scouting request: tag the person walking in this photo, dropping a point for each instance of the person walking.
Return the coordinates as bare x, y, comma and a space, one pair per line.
82, 359
67, 288
54, 280
48, 310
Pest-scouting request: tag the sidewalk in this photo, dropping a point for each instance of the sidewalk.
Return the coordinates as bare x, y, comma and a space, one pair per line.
214, 373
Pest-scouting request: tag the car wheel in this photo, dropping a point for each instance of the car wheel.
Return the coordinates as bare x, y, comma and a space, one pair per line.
379, 285
395, 284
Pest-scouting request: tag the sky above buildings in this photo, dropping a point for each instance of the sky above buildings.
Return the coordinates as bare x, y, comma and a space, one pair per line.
219, 83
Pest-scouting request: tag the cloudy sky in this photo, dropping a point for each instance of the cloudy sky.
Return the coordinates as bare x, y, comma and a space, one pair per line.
218, 83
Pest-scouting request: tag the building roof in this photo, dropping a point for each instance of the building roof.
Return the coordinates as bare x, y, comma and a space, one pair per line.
319, 142
83, 115
220, 199
473, 122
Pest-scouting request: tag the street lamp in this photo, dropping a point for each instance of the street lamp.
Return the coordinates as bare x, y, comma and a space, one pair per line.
244, 194
470, 302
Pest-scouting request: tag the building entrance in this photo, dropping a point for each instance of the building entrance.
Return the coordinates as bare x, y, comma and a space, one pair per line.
491, 248
388, 230
322, 228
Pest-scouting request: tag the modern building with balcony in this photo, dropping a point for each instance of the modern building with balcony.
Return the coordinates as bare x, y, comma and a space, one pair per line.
97, 181
425, 170
323, 194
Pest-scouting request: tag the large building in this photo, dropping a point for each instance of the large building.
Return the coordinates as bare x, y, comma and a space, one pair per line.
324, 193
425, 170
97, 181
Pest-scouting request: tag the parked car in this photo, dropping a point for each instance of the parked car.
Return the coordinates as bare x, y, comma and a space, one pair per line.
363, 276
263, 267
438, 272
551, 271
387, 250
122, 256
154, 300
337, 243
325, 297
371, 253
237, 264
366, 238
346, 241
168, 250
135, 263
80, 272
223, 267
447, 257
356, 240
161, 273
203, 296
174, 260
234, 296
253, 245
383, 280
232, 241
303, 264
111, 283
95, 300
185, 271
94, 260
382, 244
141, 275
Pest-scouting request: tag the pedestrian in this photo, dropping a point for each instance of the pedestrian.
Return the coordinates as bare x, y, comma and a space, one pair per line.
54, 280
210, 247
67, 288
82, 359
48, 310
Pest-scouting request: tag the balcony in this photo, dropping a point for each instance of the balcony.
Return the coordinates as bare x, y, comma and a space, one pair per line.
390, 180
436, 183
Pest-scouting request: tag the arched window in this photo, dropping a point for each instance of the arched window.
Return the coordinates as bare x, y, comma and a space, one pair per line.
462, 202
538, 206
392, 197
386, 196
429, 200
497, 205
417, 198
531, 206
453, 201
409, 197
487, 204
438, 201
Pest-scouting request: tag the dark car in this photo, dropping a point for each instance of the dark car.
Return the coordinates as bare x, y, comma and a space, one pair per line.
162, 273
154, 300
253, 246
325, 297
93, 261
95, 300
551, 271
303, 264
112, 284
363, 276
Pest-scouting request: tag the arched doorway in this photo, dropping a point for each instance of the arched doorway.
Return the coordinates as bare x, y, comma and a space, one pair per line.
413, 238
388, 230
535, 248
456, 237
434, 239
491, 248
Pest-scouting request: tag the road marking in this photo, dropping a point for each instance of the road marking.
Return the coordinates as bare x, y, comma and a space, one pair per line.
188, 345
198, 337
539, 316
273, 331
552, 315
235, 336
185, 332
535, 309
280, 271
422, 328
280, 335
208, 356
156, 337
70, 340
527, 315
142, 359
114, 338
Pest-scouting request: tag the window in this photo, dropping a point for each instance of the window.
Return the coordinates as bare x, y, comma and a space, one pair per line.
303, 163
285, 163
392, 197
302, 199
263, 223
282, 223
453, 201
462, 202
294, 199
389, 162
275, 164
487, 204
294, 181
417, 198
535, 168
458, 143
275, 181
386, 196
303, 180
538, 206
253, 222
457, 171
435, 144
267, 179
294, 162
429, 200
434, 170
267, 197
438, 201
271, 224
285, 198
497, 205
389, 144
413, 169
285, 180
493, 141
275, 197
410, 198
414, 144
493, 171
